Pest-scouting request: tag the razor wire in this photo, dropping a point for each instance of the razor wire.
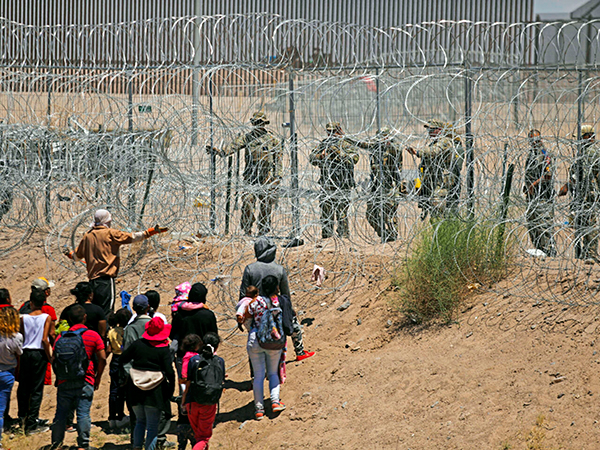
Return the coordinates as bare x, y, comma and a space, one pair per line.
120, 115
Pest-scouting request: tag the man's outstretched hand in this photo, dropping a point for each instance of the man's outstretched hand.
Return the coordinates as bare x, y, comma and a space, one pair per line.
156, 230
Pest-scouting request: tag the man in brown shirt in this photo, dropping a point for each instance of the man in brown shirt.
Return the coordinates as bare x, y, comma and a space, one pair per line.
99, 249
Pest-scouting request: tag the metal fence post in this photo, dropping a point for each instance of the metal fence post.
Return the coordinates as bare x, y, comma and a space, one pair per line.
579, 196
294, 159
213, 159
195, 101
130, 142
469, 145
382, 227
48, 152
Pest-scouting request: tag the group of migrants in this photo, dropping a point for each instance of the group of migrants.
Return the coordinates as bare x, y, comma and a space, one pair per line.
153, 363
336, 156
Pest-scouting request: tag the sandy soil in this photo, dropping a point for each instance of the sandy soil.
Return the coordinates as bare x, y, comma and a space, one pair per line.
511, 373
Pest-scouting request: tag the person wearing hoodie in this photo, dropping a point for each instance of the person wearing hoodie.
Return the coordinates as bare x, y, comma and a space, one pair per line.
265, 251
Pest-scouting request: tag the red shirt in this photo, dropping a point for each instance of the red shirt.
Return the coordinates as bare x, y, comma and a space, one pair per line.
46, 308
93, 344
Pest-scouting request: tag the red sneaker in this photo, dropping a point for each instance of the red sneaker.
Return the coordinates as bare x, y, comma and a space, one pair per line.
260, 414
278, 406
304, 355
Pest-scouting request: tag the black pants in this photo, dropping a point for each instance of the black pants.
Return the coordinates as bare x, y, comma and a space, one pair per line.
31, 386
116, 399
104, 293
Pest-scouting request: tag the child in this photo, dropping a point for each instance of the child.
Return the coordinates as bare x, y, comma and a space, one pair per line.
202, 402
190, 346
181, 295
116, 399
241, 312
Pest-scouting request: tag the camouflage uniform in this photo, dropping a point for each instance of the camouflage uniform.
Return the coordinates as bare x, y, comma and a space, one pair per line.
6, 191
336, 157
453, 177
435, 167
540, 199
262, 173
585, 208
386, 184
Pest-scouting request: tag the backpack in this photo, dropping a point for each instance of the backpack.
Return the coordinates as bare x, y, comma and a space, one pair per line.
70, 358
207, 381
268, 322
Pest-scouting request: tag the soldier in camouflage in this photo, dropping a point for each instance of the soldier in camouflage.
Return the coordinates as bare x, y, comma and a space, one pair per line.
262, 172
335, 156
435, 168
584, 186
539, 192
386, 183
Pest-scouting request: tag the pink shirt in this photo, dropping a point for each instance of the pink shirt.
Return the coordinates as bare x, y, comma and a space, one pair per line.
186, 361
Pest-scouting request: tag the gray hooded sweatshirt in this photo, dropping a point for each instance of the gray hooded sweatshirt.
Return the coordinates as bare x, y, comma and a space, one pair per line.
264, 250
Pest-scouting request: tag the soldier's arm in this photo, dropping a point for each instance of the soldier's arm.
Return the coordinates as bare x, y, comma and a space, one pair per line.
365, 145
396, 155
236, 145
350, 153
568, 186
317, 155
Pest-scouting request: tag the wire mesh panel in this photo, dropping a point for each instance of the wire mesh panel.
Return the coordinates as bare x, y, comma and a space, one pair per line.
227, 127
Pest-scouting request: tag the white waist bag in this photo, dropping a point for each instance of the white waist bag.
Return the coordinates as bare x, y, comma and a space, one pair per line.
146, 380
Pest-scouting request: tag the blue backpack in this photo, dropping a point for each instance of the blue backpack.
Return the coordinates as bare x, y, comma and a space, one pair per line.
271, 320
70, 358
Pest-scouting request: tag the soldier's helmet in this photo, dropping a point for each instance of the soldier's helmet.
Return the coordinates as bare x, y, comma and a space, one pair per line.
587, 129
333, 126
436, 124
385, 131
259, 118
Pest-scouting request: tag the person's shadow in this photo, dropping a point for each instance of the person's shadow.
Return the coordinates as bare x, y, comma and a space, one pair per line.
239, 415
242, 386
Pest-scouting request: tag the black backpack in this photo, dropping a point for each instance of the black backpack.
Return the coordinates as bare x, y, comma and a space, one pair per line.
207, 381
70, 358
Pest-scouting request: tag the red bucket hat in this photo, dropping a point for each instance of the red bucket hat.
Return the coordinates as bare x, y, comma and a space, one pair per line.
157, 330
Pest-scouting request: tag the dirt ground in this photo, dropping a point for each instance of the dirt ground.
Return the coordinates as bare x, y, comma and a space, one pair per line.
510, 373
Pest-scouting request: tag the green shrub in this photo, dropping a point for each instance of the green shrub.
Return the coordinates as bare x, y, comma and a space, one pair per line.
447, 260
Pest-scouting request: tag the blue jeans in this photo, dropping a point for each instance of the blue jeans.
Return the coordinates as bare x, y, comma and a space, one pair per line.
7, 379
147, 418
263, 362
72, 397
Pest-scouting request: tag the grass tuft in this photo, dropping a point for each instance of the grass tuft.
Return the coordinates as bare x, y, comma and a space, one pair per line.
449, 259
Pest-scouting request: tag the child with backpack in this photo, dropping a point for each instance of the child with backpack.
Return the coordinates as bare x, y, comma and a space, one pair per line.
266, 342
190, 346
204, 386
